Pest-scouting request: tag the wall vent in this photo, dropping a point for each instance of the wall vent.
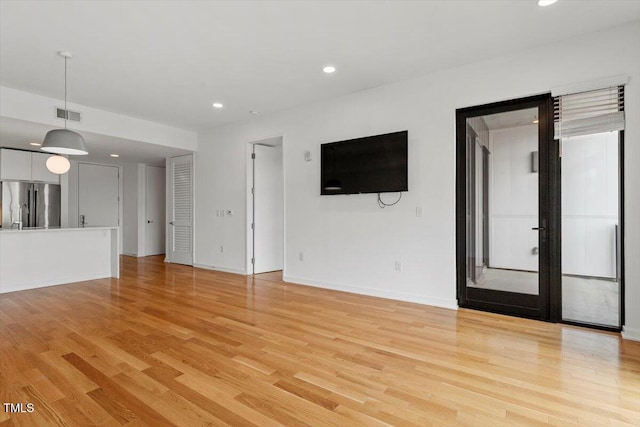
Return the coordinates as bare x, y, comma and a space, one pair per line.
71, 115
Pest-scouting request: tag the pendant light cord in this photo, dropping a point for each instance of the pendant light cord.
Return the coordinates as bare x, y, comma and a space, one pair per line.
66, 112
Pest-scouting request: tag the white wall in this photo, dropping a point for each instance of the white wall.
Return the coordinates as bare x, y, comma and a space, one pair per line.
590, 204
130, 210
142, 210
513, 198
350, 243
21, 105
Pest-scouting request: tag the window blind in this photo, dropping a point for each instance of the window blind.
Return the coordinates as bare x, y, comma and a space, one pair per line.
585, 113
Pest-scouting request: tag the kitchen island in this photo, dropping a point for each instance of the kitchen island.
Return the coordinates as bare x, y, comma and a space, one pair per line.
37, 258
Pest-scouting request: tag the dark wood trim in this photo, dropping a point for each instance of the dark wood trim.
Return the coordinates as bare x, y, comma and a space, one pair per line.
622, 226
547, 199
592, 325
521, 305
470, 211
503, 297
500, 301
461, 200
485, 206
554, 222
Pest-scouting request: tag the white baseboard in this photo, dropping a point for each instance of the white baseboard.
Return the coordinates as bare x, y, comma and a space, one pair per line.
133, 254
223, 269
52, 282
399, 296
630, 334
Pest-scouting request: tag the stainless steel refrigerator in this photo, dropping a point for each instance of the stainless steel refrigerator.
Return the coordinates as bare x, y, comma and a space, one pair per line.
29, 205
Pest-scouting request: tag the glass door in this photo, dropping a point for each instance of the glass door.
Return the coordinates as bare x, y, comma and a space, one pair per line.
503, 207
591, 229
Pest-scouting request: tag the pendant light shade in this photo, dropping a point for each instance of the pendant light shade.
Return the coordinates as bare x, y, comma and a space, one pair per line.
58, 165
64, 141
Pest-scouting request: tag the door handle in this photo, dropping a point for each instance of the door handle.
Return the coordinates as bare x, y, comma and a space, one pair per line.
171, 223
543, 229
149, 221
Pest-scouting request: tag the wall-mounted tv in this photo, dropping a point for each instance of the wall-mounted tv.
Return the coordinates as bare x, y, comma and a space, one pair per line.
373, 164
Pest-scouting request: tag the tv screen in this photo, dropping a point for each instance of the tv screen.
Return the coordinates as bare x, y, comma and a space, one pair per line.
373, 164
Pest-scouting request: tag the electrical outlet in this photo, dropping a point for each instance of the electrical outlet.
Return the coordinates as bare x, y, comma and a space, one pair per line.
301, 256
419, 211
398, 266
221, 249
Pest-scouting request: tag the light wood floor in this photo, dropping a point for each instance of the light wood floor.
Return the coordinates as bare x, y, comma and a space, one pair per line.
168, 344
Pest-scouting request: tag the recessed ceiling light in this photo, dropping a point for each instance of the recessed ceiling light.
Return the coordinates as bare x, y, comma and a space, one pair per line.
114, 155
329, 69
254, 112
37, 144
544, 3
217, 105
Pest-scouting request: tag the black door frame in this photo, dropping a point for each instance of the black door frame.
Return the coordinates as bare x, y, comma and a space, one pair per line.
546, 305
485, 206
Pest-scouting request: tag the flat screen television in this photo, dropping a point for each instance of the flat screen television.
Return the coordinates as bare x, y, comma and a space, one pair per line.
373, 164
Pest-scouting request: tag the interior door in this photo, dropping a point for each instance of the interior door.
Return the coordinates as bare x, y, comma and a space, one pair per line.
504, 237
155, 210
181, 210
268, 209
98, 195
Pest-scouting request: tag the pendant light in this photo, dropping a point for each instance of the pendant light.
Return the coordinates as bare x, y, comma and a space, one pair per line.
64, 141
58, 164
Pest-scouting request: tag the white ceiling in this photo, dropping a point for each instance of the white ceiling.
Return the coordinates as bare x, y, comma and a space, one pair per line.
19, 134
167, 61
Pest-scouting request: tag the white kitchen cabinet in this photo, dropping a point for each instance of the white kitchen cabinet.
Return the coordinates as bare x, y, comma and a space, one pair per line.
39, 171
17, 165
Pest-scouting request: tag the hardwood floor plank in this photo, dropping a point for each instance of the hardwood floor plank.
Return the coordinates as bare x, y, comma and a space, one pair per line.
111, 387
172, 345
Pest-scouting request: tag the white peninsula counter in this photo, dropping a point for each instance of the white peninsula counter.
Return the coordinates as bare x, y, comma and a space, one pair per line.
45, 257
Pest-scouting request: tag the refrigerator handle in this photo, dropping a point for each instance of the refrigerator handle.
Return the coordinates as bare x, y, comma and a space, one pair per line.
30, 206
32, 218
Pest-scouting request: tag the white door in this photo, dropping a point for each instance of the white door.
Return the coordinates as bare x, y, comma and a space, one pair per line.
155, 210
268, 210
181, 210
98, 195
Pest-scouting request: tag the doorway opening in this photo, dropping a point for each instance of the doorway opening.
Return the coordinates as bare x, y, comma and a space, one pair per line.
539, 224
265, 202
504, 208
154, 211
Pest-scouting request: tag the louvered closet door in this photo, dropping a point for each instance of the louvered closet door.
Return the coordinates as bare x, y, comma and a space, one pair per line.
181, 210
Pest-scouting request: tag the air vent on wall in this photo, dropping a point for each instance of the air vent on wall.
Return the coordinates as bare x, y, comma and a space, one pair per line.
72, 115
